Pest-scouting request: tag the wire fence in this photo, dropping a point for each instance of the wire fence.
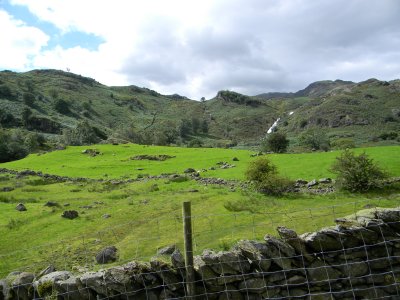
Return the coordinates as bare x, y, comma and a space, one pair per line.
358, 258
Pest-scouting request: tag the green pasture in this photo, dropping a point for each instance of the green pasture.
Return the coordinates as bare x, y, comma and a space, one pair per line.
146, 214
114, 162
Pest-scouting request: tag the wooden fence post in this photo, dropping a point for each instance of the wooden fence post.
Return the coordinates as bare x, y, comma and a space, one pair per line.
187, 232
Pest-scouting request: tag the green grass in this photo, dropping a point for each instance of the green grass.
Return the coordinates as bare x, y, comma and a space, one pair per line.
146, 215
114, 162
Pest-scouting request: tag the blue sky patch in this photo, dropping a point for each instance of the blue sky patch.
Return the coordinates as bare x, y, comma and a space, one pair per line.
66, 40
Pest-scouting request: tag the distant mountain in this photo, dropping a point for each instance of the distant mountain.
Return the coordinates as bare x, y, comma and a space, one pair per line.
54, 102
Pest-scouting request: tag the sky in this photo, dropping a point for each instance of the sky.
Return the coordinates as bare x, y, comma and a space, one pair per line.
197, 47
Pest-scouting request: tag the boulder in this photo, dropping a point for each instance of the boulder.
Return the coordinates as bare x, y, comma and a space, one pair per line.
21, 207
70, 214
189, 170
107, 255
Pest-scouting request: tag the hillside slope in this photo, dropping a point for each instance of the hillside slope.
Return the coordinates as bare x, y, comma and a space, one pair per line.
52, 101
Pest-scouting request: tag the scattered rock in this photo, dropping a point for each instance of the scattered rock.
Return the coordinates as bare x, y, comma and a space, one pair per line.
7, 189
189, 170
325, 180
160, 157
51, 204
21, 207
235, 159
312, 183
91, 152
301, 181
106, 216
107, 255
70, 214
67, 204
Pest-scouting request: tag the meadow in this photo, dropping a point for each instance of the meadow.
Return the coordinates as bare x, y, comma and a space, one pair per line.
145, 213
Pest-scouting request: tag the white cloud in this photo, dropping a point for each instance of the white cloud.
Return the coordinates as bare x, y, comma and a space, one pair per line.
196, 48
19, 43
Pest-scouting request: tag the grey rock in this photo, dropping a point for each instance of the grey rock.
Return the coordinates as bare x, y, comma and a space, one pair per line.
250, 250
253, 285
203, 270
189, 170
354, 269
21, 286
167, 250
94, 281
51, 204
106, 216
301, 182
319, 273
70, 214
107, 255
225, 262
177, 260
280, 252
325, 180
20, 207
3, 289
326, 239
47, 270
312, 183
45, 285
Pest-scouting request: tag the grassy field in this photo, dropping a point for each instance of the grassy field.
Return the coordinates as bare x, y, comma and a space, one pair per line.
146, 214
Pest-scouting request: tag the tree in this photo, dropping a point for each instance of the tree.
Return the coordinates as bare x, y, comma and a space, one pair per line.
204, 126
357, 173
82, 134
276, 142
185, 128
314, 139
264, 175
195, 125
29, 99
61, 106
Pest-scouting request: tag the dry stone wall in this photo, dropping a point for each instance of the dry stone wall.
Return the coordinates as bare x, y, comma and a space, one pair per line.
359, 258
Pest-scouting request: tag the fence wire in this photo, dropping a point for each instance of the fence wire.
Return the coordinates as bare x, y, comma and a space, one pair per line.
358, 258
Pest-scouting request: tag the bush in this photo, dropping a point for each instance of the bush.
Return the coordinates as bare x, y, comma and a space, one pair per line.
314, 139
264, 175
61, 106
357, 173
29, 99
276, 142
343, 143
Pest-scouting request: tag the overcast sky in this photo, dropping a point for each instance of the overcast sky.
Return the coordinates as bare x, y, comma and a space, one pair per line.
197, 47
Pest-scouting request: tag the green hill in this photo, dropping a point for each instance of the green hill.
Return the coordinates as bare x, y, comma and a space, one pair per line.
54, 103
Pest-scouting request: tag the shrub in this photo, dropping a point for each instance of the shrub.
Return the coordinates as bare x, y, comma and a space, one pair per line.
276, 142
357, 173
343, 143
264, 175
314, 139
61, 106
29, 99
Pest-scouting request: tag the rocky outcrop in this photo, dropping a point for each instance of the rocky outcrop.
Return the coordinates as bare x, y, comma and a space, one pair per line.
358, 258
